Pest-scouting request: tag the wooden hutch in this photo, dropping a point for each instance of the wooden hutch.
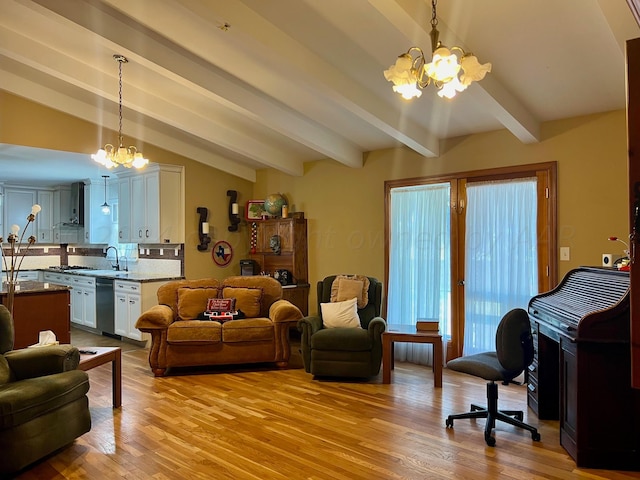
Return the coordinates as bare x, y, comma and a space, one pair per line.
292, 233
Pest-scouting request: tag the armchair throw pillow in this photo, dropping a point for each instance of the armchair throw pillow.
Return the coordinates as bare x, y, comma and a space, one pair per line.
345, 287
340, 314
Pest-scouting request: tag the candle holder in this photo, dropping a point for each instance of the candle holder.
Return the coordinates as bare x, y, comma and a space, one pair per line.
234, 219
203, 229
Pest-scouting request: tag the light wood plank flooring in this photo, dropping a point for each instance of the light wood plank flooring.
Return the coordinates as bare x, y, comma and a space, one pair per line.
262, 423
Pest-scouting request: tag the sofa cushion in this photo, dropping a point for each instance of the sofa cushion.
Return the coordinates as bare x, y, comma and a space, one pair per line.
247, 299
342, 339
197, 332
345, 287
193, 301
248, 330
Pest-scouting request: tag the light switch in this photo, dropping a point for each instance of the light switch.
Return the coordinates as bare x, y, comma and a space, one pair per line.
564, 254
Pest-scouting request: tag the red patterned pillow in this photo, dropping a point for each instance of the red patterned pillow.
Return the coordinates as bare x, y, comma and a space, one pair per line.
221, 305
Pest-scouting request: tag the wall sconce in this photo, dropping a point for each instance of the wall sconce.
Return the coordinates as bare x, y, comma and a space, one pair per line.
234, 220
203, 229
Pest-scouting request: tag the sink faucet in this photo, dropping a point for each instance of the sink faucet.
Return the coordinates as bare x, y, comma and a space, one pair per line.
117, 265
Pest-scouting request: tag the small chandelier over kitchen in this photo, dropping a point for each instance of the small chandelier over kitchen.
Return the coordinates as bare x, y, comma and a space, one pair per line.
110, 156
105, 208
410, 74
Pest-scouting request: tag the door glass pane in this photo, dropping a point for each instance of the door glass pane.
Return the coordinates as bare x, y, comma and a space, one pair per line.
419, 263
501, 259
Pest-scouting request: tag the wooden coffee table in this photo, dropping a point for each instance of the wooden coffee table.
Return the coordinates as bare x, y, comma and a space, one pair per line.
408, 333
104, 355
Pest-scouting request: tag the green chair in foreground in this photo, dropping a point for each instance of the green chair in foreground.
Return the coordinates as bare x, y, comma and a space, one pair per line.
43, 401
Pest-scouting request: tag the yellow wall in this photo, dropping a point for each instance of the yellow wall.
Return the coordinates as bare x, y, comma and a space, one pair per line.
23, 122
345, 206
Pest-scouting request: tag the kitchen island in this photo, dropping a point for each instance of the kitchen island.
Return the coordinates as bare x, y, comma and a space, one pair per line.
37, 307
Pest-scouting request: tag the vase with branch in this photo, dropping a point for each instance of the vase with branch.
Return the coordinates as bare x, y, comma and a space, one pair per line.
12, 261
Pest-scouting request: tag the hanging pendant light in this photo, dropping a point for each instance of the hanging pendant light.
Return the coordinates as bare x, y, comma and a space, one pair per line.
110, 156
106, 209
451, 70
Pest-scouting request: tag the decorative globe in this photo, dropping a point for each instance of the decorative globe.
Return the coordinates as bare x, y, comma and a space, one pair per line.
273, 204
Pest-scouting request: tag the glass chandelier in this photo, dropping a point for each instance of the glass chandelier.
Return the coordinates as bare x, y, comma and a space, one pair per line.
450, 74
110, 156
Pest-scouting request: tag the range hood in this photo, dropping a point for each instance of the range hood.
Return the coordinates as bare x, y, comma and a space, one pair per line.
73, 215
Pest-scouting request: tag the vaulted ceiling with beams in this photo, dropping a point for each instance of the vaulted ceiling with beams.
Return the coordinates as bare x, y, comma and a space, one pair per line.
242, 85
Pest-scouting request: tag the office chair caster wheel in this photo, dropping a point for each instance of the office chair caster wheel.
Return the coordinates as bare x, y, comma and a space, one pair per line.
490, 440
535, 436
449, 422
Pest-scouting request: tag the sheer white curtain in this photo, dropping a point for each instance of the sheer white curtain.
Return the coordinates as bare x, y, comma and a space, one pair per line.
419, 263
501, 257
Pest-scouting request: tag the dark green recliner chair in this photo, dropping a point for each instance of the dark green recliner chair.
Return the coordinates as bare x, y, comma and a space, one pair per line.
344, 352
43, 401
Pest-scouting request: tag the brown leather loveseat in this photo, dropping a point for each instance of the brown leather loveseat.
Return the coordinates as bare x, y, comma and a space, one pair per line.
180, 337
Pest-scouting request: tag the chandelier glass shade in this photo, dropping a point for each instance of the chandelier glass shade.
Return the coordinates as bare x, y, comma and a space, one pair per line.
111, 156
451, 70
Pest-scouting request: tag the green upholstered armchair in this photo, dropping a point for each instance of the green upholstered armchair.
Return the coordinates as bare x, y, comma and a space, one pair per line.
43, 401
344, 352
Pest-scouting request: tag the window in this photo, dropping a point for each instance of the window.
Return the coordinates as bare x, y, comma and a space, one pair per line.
428, 257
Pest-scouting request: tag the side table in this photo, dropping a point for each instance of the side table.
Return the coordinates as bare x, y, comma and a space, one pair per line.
409, 334
104, 355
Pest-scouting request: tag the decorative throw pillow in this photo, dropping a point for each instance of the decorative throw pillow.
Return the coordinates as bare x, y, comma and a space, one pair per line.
221, 305
193, 301
247, 299
340, 314
345, 287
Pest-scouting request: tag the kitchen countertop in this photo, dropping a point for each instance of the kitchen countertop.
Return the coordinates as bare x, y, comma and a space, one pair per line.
30, 286
120, 275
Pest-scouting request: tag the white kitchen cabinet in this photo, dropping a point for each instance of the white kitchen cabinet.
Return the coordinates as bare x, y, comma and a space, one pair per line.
138, 213
83, 301
127, 309
124, 210
97, 225
24, 275
155, 208
29, 275
131, 299
44, 219
58, 278
17, 207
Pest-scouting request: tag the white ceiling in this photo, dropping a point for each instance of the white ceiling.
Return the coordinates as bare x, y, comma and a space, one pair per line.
291, 81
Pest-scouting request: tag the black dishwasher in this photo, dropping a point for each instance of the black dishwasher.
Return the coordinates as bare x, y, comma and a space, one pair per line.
104, 307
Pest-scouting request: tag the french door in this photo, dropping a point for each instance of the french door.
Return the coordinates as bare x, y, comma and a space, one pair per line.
427, 258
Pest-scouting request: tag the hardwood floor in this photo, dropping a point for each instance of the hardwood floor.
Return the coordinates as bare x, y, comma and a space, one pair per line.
263, 423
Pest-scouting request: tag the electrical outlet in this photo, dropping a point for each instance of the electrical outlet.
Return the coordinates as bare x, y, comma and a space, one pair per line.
565, 254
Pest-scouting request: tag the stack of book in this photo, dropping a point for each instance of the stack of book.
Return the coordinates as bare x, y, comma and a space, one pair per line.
426, 325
